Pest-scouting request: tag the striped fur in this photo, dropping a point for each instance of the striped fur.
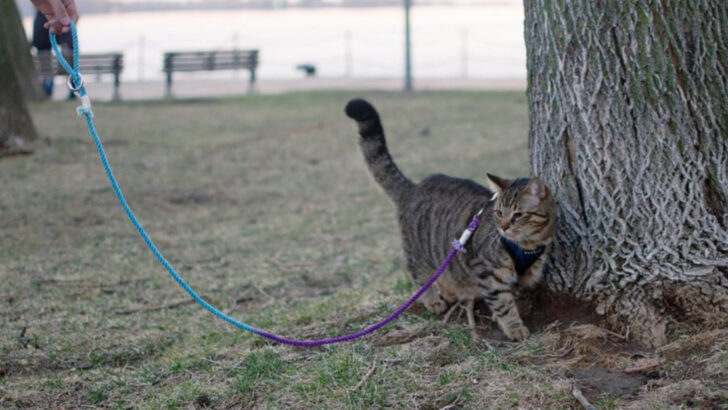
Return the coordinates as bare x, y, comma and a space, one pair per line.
436, 210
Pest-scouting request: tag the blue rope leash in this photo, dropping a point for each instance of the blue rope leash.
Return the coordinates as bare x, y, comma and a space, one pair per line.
75, 83
85, 111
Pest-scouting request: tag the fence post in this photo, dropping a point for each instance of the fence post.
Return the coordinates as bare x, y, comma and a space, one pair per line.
407, 47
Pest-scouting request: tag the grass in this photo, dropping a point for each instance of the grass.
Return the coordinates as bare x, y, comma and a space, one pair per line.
265, 206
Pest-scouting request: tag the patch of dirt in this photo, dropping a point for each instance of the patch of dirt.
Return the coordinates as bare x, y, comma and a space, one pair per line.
435, 350
399, 336
38, 362
594, 381
115, 142
697, 344
177, 197
548, 307
540, 310
681, 392
571, 339
87, 219
191, 199
203, 401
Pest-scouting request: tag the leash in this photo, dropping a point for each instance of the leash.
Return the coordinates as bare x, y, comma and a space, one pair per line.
76, 84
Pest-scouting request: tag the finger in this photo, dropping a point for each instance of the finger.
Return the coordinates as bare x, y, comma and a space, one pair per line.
62, 20
54, 26
59, 9
50, 25
72, 9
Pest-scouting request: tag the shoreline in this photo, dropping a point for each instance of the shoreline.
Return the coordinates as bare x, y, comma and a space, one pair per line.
206, 87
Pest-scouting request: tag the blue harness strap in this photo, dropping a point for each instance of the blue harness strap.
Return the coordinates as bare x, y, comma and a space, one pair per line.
522, 258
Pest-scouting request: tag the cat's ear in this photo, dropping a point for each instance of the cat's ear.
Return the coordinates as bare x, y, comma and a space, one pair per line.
498, 184
537, 188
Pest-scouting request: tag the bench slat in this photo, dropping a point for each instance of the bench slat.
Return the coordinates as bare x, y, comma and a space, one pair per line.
184, 59
176, 64
210, 60
188, 61
108, 63
46, 64
218, 52
207, 58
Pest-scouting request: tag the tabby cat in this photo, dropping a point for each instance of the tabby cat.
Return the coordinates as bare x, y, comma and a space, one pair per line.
507, 251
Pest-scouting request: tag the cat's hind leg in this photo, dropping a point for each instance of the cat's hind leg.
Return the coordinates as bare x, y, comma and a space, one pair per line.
469, 307
431, 299
470, 313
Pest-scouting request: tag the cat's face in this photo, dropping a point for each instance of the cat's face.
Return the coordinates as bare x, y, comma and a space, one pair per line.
524, 209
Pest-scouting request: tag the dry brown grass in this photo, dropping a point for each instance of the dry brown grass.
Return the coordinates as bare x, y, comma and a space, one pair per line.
265, 206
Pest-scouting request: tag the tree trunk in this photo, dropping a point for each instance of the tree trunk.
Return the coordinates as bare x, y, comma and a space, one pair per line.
628, 106
16, 125
18, 48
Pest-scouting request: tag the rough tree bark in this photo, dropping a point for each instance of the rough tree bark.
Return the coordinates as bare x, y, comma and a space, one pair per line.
13, 33
16, 125
629, 126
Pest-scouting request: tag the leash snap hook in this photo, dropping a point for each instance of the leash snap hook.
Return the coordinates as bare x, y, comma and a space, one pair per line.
69, 83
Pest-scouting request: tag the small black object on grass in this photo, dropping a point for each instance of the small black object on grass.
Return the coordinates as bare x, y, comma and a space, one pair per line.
309, 69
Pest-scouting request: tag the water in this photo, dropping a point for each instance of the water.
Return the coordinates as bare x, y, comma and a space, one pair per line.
448, 42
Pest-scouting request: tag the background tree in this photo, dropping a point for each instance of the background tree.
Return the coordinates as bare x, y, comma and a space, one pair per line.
19, 49
629, 119
17, 80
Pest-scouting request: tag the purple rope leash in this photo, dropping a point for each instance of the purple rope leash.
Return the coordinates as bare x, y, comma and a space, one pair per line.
345, 338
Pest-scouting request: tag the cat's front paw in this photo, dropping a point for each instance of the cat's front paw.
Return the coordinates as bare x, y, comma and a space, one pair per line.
517, 333
437, 305
434, 302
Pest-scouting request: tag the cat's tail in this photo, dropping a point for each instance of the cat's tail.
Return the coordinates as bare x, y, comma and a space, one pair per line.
374, 147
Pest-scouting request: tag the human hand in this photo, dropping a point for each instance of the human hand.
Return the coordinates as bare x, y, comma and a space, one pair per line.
59, 14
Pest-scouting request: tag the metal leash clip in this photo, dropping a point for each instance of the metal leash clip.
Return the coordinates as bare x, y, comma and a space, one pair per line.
78, 87
85, 107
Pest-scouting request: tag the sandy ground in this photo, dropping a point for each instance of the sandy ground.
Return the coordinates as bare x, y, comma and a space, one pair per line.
185, 87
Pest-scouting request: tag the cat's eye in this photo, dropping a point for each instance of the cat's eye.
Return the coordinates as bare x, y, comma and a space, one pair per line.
499, 214
517, 215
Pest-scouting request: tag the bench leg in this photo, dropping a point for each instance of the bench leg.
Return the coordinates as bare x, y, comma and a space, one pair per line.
251, 83
117, 82
169, 85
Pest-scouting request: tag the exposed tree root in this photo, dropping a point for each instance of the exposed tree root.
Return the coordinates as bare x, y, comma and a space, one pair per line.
645, 320
647, 364
14, 146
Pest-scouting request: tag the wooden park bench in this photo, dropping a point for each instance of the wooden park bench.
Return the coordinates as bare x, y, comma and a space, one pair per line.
99, 63
209, 61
